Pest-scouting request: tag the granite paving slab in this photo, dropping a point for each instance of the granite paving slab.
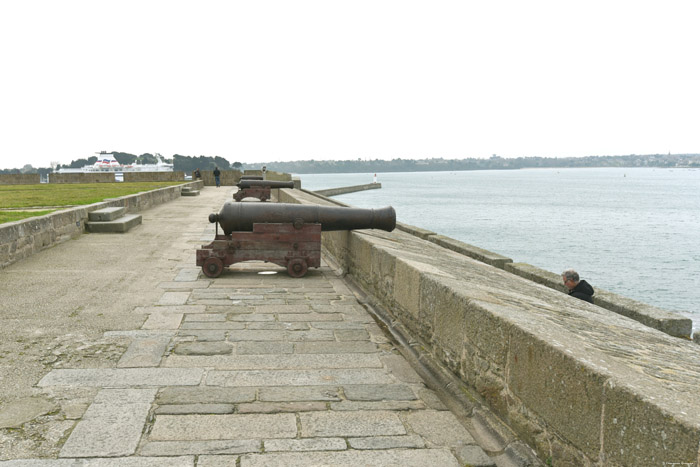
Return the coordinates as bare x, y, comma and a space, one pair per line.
222, 427
297, 377
279, 362
123, 377
354, 458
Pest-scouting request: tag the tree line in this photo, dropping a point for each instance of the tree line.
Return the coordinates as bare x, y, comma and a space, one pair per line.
188, 164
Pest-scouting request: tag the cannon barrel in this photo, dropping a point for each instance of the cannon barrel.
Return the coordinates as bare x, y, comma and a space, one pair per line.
263, 183
237, 217
251, 177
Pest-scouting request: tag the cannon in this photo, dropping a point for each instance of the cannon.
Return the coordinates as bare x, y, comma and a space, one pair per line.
258, 188
251, 177
288, 235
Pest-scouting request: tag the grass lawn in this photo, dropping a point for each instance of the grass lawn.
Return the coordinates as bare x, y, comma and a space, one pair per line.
69, 194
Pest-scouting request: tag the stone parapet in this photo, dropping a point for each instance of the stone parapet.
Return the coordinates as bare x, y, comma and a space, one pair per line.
479, 254
657, 318
83, 177
348, 189
21, 239
178, 176
19, 179
413, 230
582, 385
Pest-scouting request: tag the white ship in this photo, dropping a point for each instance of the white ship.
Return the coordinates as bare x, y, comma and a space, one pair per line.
107, 163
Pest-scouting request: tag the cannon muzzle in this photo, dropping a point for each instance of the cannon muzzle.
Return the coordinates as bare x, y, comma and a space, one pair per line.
240, 217
264, 183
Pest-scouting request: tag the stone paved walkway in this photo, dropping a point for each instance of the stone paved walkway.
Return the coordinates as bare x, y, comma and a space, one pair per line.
253, 368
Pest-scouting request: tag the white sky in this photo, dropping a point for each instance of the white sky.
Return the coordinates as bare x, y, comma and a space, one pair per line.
260, 80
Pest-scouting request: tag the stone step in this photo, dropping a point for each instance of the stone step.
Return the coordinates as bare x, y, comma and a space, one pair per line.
190, 193
106, 214
123, 224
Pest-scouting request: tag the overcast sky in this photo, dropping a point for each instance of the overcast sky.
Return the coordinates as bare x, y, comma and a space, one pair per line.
263, 80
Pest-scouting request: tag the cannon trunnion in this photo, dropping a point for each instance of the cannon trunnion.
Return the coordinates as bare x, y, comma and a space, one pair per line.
288, 235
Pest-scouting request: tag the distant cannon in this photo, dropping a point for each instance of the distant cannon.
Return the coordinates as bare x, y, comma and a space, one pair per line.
259, 189
288, 235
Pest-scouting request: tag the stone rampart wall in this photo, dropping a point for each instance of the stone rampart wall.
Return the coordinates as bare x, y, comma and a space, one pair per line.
83, 177
154, 176
19, 179
348, 189
21, 239
580, 384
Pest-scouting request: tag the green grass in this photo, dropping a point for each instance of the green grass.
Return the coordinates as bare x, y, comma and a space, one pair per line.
50, 195
11, 216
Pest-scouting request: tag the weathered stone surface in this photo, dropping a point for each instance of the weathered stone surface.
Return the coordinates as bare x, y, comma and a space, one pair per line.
178, 448
335, 347
112, 425
400, 369
189, 274
143, 353
163, 321
273, 362
205, 395
317, 317
180, 309
311, 444
280, 407
124, 377
202, 348
180, 409
378, 392
217, 461
183, 461
402, 457
278, 326
297, 377
282, 309
377, 405
15, 413
267, 347
203, 335
299, 393
438, 427
207, 317
212, 326
360, 423
174, 298
473, 455
213, 427
387, 442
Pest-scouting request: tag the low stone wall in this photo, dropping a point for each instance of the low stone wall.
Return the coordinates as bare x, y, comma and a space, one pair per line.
228, 177
19, 179
581, 385
21, 239
83, 177
154, 176
348, 189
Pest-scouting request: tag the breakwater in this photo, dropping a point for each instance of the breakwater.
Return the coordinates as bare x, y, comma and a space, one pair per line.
348, 189
582, 385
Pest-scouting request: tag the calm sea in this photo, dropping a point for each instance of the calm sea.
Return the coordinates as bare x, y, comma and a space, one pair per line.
635, 232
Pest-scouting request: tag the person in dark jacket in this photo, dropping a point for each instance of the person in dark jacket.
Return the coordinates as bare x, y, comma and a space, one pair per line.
577, 288
217, 174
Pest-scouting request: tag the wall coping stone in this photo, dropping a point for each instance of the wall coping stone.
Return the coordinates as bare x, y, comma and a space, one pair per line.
666, 321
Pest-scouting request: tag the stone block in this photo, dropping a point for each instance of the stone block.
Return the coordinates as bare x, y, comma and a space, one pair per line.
276, 361
387, 442
299, 393
439, 427
112, 425
281, 407
143, 353
336, 347
332, 377
396, 457
178, 448
262, 348
203, 348
163, 321
182, 409
407, 286
205, 395
361, 423
378, 392
106, 214
120, 225
123, 377
479, 254
302, 445
223, 427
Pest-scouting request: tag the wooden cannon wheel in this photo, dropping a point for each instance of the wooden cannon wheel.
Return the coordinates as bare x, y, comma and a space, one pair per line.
212, 267
297, 267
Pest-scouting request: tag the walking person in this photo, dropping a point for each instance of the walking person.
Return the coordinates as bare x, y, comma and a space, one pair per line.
577, 288
217, 175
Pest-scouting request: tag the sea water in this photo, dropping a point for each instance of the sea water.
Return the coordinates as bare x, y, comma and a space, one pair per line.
632, 231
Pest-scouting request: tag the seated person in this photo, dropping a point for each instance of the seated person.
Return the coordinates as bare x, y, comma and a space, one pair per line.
577, 288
